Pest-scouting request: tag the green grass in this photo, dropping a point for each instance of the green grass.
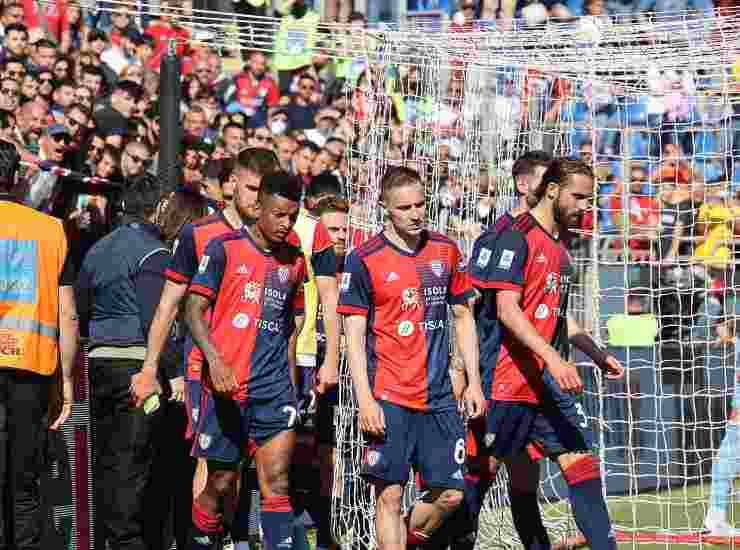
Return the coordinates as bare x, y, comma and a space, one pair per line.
677, 511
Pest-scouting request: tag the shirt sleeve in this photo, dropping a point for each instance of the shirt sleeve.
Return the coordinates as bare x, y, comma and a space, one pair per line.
184, 260
499, 264
323, 257
299, 298
149, 284
461, 288
355, 288
207, 280
68, 275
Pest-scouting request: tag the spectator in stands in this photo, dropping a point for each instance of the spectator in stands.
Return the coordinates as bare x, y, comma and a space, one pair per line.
10, 14
677, 214
15, 41
303, 106
123, 100
642, 211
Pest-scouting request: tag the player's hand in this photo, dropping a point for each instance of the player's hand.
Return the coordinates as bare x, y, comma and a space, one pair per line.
614, 369
178, 389
222, 378
459, 383
326, 379
143, 385
566, 375
475, 403
372, 418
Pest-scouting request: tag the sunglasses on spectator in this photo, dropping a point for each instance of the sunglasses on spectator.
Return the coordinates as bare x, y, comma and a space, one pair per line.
49, 79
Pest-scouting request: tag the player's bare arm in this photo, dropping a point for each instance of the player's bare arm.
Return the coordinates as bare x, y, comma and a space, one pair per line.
583, 341
516, 322
222, 378
69, 336
372, 419
328, 374
467, 342
145, 383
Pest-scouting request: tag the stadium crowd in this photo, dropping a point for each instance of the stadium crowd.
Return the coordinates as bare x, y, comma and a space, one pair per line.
80, 105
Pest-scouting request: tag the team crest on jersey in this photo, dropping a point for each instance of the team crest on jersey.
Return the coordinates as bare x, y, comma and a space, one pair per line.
551, 283
437, 268
372, 457
405, 328
252, 292
204, 440
283, 274
344, 284
410, 298
203, 264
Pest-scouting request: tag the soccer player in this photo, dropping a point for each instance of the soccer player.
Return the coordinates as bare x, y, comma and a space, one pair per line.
528, 268
333, 213
251, 165
253, 280
394, 293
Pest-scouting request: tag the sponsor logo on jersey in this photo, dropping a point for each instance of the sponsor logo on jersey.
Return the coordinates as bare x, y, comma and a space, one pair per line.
243, 270
410, 298
194, 414
392, 276
252, 292
203, 263
240, 320
507, 258
437, 268
283, 274
405, 328
540, 259
484, 256
542, 312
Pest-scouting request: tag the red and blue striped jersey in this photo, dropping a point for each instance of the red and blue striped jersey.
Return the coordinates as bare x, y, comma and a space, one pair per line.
189, 248
256, 296
528, 259
487, 323
405, 297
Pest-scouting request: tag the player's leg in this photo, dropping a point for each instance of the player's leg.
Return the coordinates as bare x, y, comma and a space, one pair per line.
524, 478
725, 470
511, 427
565, 433
218, 444
440, 457
272, 427
386, 465
326, 439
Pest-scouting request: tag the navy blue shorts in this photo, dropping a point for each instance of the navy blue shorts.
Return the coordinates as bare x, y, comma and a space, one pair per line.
549, 429
227, 430
432, 443
326, 432
192, 404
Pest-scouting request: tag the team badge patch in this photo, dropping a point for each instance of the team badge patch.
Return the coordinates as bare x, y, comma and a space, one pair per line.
372, 458
507, 258
203, 264
484, 256
344, 284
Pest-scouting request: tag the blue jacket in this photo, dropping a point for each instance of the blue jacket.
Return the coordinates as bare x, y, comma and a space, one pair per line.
120, 284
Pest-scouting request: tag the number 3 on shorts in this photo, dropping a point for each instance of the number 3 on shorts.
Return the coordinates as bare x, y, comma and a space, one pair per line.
460, 451
582, 414
292, 415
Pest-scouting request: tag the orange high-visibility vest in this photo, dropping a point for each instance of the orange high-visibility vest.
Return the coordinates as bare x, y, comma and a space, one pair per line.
33, 248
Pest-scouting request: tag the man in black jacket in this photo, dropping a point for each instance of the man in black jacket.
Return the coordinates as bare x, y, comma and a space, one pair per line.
119, 288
